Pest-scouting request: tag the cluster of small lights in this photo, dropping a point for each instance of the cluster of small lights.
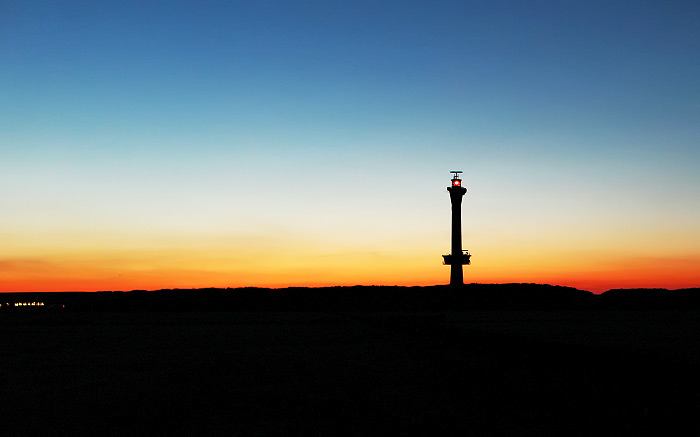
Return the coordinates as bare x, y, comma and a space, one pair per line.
28, 304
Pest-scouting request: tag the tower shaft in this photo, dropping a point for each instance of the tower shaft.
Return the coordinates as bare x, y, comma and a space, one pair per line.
458, 257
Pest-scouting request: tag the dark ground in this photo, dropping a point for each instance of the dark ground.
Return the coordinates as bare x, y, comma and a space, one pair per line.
486, 372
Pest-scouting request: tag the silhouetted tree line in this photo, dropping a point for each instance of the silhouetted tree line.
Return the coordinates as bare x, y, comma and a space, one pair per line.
364, 298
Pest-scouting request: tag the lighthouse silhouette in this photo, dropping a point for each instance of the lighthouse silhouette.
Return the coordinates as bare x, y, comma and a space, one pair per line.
458, 257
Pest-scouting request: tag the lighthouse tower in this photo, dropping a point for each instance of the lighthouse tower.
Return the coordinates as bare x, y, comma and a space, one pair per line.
458, 257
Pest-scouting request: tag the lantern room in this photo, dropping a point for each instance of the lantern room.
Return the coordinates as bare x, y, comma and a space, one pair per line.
456, 181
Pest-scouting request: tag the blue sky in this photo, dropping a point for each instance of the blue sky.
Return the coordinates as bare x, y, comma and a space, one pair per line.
577, 125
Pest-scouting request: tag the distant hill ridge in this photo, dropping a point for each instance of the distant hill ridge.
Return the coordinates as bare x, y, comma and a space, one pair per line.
362, 298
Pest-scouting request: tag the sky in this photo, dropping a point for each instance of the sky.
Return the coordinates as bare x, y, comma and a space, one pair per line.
173, 144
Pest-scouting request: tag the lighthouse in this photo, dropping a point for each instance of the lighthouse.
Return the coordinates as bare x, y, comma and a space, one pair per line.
458, 257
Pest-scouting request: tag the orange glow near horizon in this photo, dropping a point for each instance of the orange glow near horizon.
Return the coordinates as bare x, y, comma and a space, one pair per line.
512, 251
173, 269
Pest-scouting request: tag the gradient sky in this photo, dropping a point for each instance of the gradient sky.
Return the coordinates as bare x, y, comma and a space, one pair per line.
278, 143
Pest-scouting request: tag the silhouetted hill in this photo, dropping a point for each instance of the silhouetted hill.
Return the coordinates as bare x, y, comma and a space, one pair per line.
363, 298
650, 298
355, 298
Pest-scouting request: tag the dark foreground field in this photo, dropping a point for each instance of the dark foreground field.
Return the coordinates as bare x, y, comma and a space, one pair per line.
352, 373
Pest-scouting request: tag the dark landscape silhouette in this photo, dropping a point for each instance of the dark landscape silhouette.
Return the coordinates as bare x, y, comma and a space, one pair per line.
486, 359
362, 298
